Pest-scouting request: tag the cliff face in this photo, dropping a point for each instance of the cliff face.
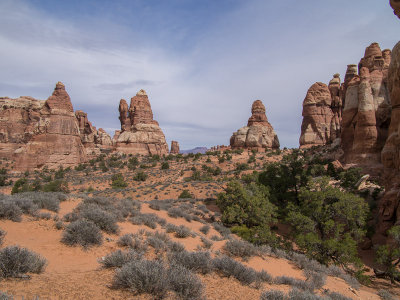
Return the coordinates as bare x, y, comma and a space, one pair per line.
36, 133
258, 133
139, 134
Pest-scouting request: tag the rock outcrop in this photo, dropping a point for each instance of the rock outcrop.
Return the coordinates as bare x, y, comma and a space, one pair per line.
366, 112
174, 147
357, 111
258, 133
396, 7
139, 134
36, 133
92, 139
321, 124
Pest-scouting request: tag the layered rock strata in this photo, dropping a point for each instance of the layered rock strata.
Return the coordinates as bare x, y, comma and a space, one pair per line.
36, 133
139, 134
258, 133
174, 147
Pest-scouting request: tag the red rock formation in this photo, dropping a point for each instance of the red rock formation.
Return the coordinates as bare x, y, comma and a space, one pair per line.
317, 115
36, 133
366, 112
94, 140
139, 134
258, 133
396, 7
174, 147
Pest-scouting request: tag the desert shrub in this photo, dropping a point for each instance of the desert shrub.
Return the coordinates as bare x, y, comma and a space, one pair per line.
44, 215
143, 276
284, 179
21, 185
157, 243
206, 242
15, 261
10, 211
126, 240
82, 232
349, 178
182, 232
185, 283
47, 200
119, 258
2, 235
238, 248
225, 232
315, 280
328, 223
389, 255
59, 225
248, 205
264, 276
56, 186
175, 212
165, 166
195, 261
104, 220
205, 229
301, 284
150, 220
140, 176
272, 295
296, 294
175, 246
385, 295
118, 181
228, 267
185, 195
337, 296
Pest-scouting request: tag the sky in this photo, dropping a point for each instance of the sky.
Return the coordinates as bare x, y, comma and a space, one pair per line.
202, 62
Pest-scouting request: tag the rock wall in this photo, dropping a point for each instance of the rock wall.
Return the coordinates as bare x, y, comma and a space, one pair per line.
258, 133
36, 133
174, 147
139, 134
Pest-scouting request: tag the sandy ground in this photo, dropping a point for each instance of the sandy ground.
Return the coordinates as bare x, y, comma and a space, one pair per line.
74, 273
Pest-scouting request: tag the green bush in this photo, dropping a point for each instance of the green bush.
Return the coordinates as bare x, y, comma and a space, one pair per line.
389, 255
140, 176
165, 166
248, 205
185, 195
20, 186
118, 181
328, 223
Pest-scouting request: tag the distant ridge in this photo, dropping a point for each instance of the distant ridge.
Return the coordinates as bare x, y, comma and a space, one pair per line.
195, 150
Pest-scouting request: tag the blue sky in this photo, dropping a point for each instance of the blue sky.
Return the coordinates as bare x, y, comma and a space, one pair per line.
202, 62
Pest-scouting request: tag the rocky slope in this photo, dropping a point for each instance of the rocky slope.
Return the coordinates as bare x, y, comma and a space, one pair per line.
139, 134
36, 133
258, 133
